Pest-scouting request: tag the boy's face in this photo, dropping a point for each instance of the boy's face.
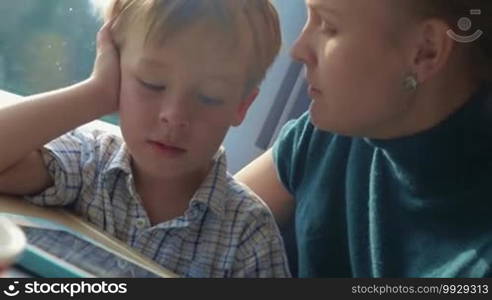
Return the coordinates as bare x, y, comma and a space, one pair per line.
178, 100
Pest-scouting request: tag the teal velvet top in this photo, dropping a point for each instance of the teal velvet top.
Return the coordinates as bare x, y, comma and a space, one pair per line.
417, 206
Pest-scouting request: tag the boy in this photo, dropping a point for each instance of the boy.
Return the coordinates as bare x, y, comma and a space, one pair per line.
187, 70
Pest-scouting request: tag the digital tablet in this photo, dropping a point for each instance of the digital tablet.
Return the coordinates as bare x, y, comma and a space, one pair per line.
54, 250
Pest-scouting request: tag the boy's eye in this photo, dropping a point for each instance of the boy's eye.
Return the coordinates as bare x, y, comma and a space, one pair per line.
210, 100
152, 87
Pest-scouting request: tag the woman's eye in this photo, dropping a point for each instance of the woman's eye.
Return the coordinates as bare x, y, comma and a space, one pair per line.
210, 100
327, 28
152, 87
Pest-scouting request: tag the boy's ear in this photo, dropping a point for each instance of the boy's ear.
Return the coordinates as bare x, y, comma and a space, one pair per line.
244, 106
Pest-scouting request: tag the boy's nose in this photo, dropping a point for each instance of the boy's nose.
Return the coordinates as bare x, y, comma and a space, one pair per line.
174, 114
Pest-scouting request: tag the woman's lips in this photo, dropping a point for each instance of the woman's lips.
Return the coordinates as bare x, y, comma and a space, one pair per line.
167, 149
313, 92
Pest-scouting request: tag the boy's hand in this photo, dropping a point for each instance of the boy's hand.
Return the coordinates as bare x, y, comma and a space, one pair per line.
29, 125
106, 73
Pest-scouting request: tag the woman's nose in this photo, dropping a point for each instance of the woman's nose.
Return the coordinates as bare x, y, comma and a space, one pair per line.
302, 50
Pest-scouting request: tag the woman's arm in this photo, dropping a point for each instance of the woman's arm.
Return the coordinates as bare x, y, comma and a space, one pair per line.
261, 176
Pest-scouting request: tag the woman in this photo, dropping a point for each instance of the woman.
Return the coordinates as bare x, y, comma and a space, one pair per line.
389, 174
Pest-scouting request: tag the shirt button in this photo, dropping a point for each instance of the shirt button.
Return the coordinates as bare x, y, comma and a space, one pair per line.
140, 223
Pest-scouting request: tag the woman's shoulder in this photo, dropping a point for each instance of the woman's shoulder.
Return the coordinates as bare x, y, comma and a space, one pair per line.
302, 152
300, 139
300, 135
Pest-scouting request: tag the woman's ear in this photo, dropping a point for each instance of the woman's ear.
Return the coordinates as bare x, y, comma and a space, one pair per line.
244, 106
433, 48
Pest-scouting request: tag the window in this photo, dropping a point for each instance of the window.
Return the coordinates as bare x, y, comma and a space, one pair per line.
46, 44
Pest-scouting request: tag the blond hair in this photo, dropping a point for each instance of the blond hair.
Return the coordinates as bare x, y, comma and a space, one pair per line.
160, 19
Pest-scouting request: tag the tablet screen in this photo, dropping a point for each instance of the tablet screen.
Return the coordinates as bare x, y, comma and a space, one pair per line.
68, 248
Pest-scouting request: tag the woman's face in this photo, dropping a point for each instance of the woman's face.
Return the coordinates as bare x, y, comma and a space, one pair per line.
355, 58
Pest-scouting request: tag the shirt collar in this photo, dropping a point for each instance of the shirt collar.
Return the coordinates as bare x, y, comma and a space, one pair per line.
121, 161
451, 155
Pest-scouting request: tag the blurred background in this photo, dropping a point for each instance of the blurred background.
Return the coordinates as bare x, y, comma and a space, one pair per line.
46, 44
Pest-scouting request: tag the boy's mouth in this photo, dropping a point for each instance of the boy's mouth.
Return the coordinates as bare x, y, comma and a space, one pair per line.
167, 149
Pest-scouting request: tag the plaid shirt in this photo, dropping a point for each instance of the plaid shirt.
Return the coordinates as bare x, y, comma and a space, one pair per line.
225, 232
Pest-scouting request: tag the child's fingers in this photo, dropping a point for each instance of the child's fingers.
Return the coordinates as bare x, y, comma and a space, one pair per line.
104, 38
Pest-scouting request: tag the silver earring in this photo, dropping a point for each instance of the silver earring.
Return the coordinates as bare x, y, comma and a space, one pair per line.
410, 83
